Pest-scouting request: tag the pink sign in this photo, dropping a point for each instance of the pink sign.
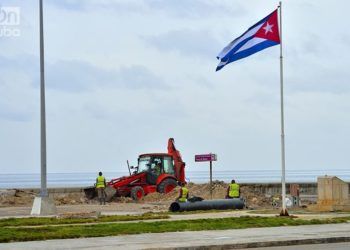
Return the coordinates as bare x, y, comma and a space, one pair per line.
205, 157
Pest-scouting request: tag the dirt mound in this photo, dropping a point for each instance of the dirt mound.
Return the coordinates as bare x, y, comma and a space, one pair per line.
254, 199
70, 199
15, 197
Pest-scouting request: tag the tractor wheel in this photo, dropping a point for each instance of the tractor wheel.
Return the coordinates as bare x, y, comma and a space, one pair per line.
167, 186
137, 193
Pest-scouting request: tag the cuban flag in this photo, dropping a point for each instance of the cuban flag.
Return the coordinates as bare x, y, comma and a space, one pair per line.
260, 36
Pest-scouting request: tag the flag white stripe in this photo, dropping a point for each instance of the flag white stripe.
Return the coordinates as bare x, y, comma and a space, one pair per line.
229, 47
254, 41
221, 63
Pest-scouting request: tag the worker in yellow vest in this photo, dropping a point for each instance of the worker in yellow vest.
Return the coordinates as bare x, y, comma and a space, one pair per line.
183, 193
100, 186
233, 190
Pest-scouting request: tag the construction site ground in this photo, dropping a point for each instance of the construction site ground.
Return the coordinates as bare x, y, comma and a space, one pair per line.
74, 196
18, 203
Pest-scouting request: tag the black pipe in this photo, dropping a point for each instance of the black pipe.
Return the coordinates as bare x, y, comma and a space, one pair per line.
235, 203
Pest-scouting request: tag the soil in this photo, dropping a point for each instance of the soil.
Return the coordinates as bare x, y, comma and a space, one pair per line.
254, 200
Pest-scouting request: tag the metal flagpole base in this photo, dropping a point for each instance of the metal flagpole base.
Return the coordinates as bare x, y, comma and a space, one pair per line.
284, 212
43, 206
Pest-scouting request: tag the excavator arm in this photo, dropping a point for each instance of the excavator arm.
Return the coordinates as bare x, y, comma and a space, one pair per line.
178, 162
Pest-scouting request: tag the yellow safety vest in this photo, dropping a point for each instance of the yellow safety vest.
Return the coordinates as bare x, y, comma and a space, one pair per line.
100, 182
183, 197
234, 190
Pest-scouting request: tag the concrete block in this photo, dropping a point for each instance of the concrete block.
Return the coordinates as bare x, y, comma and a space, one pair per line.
333, 194
43, 206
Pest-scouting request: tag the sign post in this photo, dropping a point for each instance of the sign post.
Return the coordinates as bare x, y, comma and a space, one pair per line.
211, 180
208, 157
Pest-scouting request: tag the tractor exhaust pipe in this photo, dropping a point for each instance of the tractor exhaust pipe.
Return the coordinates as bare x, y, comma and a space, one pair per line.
223, 204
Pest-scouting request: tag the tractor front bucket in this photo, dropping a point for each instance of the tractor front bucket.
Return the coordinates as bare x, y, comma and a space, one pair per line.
90, 192
110, 193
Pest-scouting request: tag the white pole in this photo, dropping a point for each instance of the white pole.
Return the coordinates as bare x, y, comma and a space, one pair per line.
43, 191
283, 179
43, 204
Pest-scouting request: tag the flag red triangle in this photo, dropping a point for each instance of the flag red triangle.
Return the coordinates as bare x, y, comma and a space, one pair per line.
269, 30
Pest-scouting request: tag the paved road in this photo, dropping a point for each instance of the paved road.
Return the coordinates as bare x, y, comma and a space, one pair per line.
333, 246
227, 238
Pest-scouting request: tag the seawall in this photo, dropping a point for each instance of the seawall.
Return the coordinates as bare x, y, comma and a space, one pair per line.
305, 189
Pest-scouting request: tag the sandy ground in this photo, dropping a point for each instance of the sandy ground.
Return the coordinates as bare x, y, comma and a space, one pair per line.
16, 202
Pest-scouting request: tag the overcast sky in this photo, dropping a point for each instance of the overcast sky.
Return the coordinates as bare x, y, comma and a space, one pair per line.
124, 76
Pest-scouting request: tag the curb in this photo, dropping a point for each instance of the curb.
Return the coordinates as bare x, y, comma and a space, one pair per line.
262, 244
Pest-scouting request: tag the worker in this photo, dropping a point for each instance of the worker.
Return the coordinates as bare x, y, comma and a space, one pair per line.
100, 186
183, 193
233, 190
158, 168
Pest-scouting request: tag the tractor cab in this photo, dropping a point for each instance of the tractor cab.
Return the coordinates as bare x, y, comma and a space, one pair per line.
155, 164
159, 171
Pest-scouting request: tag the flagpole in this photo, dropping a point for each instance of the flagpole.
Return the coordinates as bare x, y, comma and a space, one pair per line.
283, 178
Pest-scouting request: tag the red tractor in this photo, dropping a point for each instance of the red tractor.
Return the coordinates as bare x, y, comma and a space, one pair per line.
155, 172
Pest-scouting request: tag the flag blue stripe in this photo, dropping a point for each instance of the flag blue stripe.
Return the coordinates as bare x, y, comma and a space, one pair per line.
234, 57
237, 47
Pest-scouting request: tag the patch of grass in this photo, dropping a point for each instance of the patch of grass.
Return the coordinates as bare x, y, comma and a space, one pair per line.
293, 211
34, 221
112, 229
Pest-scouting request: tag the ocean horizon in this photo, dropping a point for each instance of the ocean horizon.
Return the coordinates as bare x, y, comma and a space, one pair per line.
85, 179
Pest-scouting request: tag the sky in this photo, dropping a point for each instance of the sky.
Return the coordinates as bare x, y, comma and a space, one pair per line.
124, 76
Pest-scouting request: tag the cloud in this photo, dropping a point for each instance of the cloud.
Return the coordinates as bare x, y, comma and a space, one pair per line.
76, 76
12, 113
188, 42
127, 72
326, 80
25, 63
193, 9
72, 5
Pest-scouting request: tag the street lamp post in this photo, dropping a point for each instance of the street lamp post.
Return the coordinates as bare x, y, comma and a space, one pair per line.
43, 204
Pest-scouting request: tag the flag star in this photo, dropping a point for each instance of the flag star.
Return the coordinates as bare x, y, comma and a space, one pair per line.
268, 28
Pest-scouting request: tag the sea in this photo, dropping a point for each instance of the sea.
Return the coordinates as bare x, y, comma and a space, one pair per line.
88, 179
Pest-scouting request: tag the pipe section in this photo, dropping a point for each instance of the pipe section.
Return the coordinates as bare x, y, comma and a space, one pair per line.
223, 204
